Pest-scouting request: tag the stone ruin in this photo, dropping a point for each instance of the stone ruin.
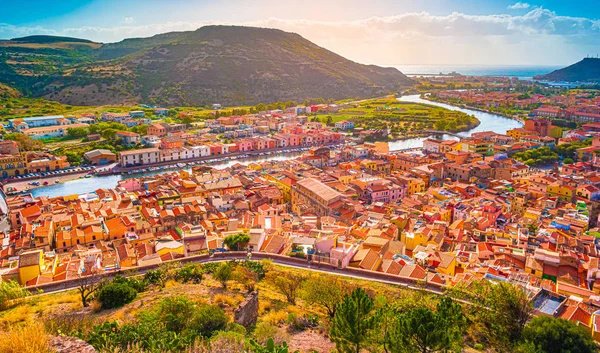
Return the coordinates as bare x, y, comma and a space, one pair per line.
247, 312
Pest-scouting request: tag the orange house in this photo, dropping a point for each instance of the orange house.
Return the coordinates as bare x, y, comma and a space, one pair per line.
116, 228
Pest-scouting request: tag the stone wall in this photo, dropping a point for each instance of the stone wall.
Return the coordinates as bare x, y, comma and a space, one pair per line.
247, 312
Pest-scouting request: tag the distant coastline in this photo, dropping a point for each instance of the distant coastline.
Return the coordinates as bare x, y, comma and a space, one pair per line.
523, 72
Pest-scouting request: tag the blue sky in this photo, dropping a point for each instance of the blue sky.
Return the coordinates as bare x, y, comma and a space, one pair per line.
385, 32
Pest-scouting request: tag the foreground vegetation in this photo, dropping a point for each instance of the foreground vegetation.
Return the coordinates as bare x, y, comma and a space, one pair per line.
189, 309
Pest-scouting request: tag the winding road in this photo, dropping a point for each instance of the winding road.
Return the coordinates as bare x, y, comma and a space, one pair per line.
405, 282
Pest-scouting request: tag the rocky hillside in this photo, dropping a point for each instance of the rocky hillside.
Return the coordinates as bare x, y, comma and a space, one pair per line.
224, 64
587, 70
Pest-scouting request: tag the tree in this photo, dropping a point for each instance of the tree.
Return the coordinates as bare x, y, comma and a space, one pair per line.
558, 336
245, 277
501, 308
87, 286
568, 161
426, 331
115, 295
223, 273
288, 283
73, 158
327, 291
353, 321
237, 241
109, 133
77, 132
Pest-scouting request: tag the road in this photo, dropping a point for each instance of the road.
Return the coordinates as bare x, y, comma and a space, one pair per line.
287, 261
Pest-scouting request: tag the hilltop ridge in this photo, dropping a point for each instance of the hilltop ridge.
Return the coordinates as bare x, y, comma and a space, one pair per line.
586, 70
225, 64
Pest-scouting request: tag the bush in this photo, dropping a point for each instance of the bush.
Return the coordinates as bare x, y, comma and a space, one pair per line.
174, 313
10, 292
228, 342
209, 319
223, 273
136, 284
115, 295
155, 277
189, 273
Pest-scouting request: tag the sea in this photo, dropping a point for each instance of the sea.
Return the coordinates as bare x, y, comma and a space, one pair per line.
522, 72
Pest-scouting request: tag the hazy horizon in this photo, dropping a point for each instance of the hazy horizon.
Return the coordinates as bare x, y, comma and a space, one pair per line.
383, 32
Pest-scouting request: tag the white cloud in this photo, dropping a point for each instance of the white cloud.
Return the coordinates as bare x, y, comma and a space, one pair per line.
538, 37
129, 20
519, 6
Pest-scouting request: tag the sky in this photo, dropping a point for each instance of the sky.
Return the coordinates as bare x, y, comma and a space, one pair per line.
382, 32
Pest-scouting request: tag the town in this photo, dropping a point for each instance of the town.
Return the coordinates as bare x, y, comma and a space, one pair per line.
453, 212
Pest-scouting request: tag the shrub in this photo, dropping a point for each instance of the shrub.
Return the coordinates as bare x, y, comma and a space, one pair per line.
258, 267
228, 342
174, 313
264, 331
136, 284
155, 277
223, 273
189, 273
114, 295
225, 300
208, 319
10, 292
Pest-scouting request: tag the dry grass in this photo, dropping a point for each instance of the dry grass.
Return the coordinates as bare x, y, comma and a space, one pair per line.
29, 337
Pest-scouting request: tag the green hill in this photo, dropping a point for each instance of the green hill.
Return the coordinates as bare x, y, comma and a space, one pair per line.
230, 65
41, 39
587, 70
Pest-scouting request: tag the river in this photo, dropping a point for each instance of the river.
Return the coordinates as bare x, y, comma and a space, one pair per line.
489, 122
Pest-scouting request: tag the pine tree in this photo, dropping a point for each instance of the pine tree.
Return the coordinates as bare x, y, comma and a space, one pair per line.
354, 318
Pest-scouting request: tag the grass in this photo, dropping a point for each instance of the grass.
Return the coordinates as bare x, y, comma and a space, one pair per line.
400, 117
29, 337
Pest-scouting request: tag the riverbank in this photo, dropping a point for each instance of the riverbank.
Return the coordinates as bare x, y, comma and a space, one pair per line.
25, 186
466, 106
488, 122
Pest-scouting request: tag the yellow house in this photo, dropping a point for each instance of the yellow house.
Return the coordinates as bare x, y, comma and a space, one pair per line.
532, 213
413, 239
31, 265
447, 264
563, 192
517, 133
415, 186
534, 267
165, 247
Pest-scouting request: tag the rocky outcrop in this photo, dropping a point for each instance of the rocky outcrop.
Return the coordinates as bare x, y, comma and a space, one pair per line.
65, 344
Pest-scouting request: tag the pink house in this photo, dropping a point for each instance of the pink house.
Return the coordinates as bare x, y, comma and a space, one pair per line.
294, 140
131, 185
383, 193
244, 145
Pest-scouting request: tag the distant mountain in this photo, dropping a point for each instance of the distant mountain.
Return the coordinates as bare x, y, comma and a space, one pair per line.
587, 70
49, 39
214, 64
